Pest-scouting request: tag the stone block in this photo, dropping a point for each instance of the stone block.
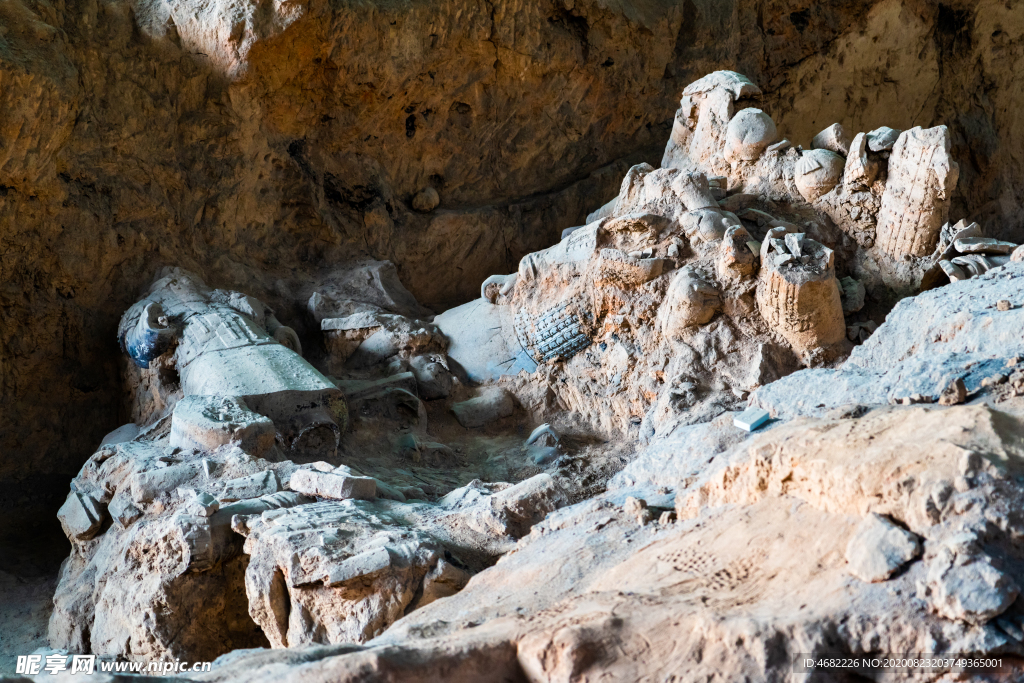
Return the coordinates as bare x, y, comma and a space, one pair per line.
879, 548
331, 485
493, 403
145, 486
362, 565
751, 419
252, 486
81, 516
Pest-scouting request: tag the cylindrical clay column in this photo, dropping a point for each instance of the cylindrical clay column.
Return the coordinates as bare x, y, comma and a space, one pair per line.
915, 204
798, 294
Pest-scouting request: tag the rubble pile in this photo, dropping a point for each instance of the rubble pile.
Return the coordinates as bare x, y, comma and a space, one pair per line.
600, 453
741, 259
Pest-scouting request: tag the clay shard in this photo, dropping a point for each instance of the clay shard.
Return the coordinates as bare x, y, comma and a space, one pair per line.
757, 216
974, 264
982, 245
544, 435
81, 516
243, 488
950, 233
954, 393
882, 139
202, 504
954, 272
514, 510
123, 511
735, 259
794, 242
834, 139
860, 170
497, 285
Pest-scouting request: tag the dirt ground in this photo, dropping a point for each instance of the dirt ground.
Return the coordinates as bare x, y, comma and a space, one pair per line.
28, 578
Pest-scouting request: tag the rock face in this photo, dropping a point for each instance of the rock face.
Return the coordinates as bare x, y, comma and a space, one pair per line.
968, 339
756, 560
342, 573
